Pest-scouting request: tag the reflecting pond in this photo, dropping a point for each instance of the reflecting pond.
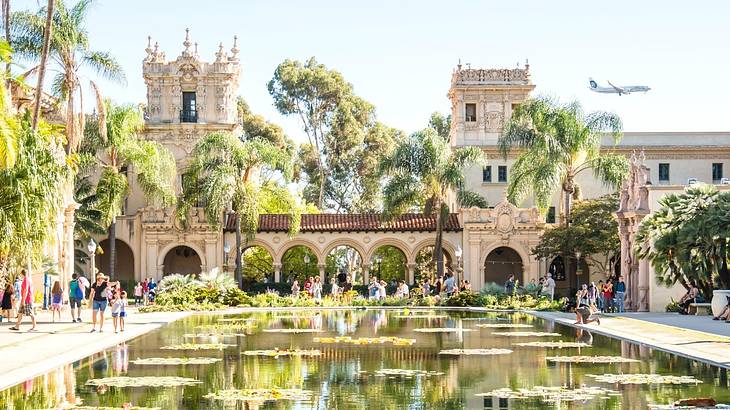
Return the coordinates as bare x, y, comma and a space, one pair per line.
399, 366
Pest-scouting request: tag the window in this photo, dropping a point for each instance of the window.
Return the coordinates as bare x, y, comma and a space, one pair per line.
717, 172
502, 173
550, 218
663, 172
471, 112
487, 174
189, 111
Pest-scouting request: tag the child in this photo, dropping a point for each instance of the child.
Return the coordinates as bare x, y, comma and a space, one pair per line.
138, 294
123, 313
56, 300
7, 301
116, 309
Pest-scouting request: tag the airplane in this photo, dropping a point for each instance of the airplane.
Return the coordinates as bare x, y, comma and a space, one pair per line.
614, 89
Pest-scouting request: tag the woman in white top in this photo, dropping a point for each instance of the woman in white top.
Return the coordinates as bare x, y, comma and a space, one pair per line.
335, 289
381, 290
317, 289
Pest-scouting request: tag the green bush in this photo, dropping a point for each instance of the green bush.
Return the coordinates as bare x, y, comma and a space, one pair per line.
207, 295
464, 299
492, 288
236, 297
673, 306
195, 307
182, 295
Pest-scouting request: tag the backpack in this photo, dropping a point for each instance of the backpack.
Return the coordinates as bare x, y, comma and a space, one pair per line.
76, 292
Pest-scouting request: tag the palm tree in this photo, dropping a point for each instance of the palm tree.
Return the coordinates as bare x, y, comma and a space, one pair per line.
222, 175
69, 50
117, 148
556, 143
423, 171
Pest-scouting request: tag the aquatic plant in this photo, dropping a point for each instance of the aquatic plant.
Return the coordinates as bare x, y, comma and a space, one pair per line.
276, 353
639, 378
303, 330
590, 359
175, 361
406, 373
143, 381
260, 395
557, 345
551, 394
197, 346
441, 330
526, 334
474, 352
396, 341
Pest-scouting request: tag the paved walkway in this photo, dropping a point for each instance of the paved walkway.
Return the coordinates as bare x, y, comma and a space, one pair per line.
24, 355
694, 337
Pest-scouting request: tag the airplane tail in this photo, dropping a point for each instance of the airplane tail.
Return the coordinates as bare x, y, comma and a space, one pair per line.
592, 83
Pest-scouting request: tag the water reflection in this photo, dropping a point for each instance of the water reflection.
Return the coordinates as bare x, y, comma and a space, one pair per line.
344, 375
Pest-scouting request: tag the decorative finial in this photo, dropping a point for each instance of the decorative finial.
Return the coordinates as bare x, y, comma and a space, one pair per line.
148, 50
157, 47
527, 64
458, 66
234, 50
220, 54
632, 159
195, 45
187, 42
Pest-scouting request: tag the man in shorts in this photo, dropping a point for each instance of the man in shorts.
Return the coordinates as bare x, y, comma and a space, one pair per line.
75, 296
99, 300
26, 301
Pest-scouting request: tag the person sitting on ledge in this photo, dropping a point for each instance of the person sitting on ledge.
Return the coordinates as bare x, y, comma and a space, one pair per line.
725, 314
692, 296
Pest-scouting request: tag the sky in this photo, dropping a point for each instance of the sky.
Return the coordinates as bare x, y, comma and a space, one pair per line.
399, 55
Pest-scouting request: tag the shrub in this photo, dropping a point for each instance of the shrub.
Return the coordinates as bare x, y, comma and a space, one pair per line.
464, 299
176, 296
175, 282
217, 279
207, 295
492, 288
236, 297
673, 306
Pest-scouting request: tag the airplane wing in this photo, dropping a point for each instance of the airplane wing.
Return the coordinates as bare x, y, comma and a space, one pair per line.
618, 89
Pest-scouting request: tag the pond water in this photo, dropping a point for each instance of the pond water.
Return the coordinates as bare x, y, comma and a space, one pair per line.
345, 375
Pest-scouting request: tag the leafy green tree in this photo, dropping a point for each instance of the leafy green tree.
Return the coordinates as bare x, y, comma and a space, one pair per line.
222, 175
441, 123
115, 143
339, 161
557, 143
70, 51
688, 239
422, 172
593, 234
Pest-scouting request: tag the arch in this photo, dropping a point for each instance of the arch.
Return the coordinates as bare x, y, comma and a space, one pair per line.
124, 266
345, 266
345, 242
182, 259
425, 267
507, 261
392, 242
297, 267
257, 265
257, 242
396, 264
297, 242
166, 249
445, 245
521, 251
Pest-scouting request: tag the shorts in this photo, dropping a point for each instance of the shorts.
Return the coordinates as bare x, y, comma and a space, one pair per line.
99, 305
584, 311
74, 303
115, 314
55, 306
122, 314
27, 309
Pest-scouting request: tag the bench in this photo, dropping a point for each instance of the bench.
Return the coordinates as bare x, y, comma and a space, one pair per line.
694, 308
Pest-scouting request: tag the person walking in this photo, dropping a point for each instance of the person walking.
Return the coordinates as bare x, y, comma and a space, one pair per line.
75, 297
138, 292
7, 302
509, 286
145, 291
26, 302
317, 289
608, 296
123, 313
450, 285
98, 297
600, 301
295, 289
620, 293
116, 304
550, 286
56, 301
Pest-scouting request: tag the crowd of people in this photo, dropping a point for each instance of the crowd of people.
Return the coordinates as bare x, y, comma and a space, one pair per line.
16, 300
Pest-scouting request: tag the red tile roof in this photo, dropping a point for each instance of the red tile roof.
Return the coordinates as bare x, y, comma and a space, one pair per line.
351, 223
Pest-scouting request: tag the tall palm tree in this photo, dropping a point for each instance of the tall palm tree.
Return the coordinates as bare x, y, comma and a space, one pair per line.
556, 143
69, 50
9, 126
222, 174
117, 147
423, 171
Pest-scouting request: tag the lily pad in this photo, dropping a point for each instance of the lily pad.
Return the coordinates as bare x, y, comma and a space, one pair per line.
504, 325
396, 341
551, 394
421, 317
175, 361
590, 359
441, 330
526, 334
555, 345
232, 326
643, 379
236, 319
197, 346
259, 395
293, 330
144, 381
210, 335
275, 353
407, 373
474, 352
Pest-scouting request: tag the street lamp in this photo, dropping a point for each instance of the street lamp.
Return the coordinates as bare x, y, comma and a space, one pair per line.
577, 265
306, 265
379, 261
92, 250
458, 254
226, 252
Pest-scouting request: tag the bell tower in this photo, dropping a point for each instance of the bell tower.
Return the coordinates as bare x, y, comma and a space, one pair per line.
188, 97
482, 100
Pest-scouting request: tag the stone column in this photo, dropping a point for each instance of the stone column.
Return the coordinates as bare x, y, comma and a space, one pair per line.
321, 267
366, 273
410, 273
474, 272
642, 302
211, 253
277, 272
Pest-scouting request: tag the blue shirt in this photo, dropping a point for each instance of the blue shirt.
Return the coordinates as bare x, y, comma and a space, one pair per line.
621, 287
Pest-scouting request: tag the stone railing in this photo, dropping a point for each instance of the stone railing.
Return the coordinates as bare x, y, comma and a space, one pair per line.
490, 76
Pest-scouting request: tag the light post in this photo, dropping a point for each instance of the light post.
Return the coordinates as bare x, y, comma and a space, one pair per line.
92, 250
379, 261
577, 265
458, 254
306, 266
226, 252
